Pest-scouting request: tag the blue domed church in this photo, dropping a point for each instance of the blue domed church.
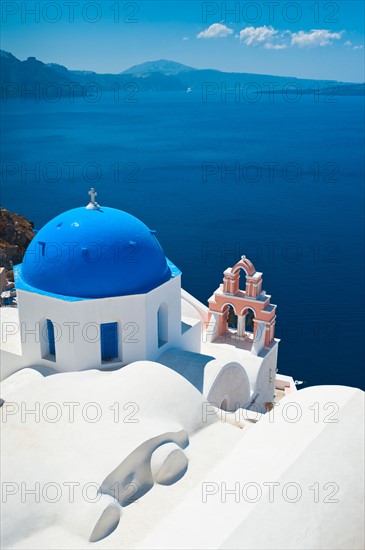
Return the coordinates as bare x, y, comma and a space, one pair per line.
94, 279
95, 291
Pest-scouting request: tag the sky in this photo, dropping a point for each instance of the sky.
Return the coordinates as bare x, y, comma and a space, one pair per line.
303, 38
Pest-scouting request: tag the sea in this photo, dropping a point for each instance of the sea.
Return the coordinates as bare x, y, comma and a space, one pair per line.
279, 179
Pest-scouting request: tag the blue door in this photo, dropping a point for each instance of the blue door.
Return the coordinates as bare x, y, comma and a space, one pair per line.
51, 338
109, 341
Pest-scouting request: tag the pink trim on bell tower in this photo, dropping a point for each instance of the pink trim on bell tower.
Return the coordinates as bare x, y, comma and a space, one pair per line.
251, 298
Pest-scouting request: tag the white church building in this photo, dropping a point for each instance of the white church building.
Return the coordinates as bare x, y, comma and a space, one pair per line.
95, 291
131, 413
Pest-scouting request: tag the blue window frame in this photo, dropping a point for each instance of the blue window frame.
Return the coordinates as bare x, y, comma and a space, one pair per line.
109, 341
51, 338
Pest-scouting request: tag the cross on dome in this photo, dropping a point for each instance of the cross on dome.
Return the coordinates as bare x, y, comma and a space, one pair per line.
93, 205
93, 194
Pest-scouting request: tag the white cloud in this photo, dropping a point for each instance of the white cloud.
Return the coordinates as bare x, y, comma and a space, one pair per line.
273, 39
217, 30
315, 37
185, 38
349, 44
256, 36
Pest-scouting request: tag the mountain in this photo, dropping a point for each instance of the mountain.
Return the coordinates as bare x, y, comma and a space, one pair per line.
33, 77
30, 74
195, 78
164, 66
47, 80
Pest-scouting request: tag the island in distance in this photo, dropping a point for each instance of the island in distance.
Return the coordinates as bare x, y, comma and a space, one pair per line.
163, 75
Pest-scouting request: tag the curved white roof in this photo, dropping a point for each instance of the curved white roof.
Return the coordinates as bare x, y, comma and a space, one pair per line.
320, 460
149, 399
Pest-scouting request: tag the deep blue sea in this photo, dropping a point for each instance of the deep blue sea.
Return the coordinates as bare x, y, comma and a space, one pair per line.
279, 181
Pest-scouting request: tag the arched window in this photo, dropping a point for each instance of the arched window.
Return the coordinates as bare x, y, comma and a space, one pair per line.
249, 324
48, 340
231, 318
162, 325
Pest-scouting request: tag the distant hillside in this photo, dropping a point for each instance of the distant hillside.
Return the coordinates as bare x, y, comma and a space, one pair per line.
16, 75
30, 72
162, 66
162, 75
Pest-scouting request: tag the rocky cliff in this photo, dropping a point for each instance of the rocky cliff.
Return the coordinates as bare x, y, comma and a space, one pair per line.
16, 232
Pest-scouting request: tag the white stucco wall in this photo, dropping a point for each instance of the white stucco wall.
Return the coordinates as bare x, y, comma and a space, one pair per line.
226, 386
264, 387
11, 359
77, 327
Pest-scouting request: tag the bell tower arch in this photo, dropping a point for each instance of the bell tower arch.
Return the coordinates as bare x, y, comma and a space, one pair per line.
244, 298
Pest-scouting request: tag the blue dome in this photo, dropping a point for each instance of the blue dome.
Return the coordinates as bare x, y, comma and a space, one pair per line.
95, 254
